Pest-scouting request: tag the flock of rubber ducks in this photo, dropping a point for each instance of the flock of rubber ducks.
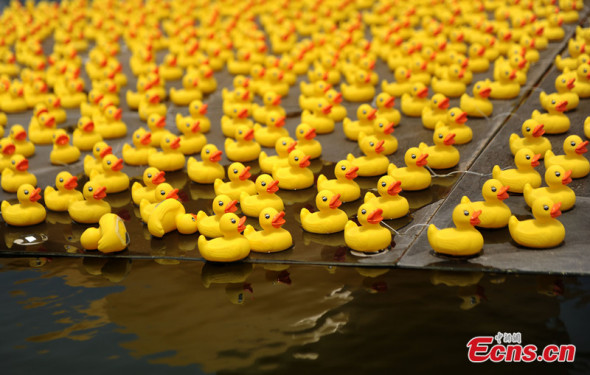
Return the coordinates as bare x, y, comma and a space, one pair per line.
427, 45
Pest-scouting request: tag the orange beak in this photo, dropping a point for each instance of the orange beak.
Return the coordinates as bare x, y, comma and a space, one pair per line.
241, 224
173, 194
304, 162
310, 134
328, 87
100, 193
106, 151
449, 139
535, 161
79, 87
209, 73
154, 99
444, 104
243, 113
118, 165
249, 135
71, 183
159, 178
88, 127
22, 165
278, 220
570, 83
21, 135
216, 156
485, 93
372, 115
57, 103
276, 101
481, 51
35, 196
555, 210
175, 143
335, 202
512, 75
539, 130
474, 219
118, 114
422, 160
203, 109
581, 149
273, 187
561, 106
408, 73
146, 139
98, 98
368, 78
395, 188
351, 174
161, 122
246, 95
567, 178
522, 63
196, 127
375, 217
379, 147
462, 72
231, 207
280, 122
245, 174
50, 122
422, 93
503, 193
62, 139
389, 128
327, 109
292, 146
462, 118
390, 102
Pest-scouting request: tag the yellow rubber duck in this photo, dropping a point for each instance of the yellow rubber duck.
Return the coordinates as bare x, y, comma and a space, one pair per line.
555, 121
533, 139
344, 184
369, 237
244, 148
306, 141
338, 112
73, 95
53, 104
266, 188
85, 136
18, 136
99, 151
272, 237
414, 176
92, 106
232, 247
582, 80
14, 102
296, 175
361, 90
16, 174
240, 64
239, 182
587, 127
319, 117
393, 205
138, 155
37, 94
402, 82
328, 219
557, 179
366, 117
385, 108
237, 100
111, 177
162, 192
574, 160
171, 215
494, 212
151, 177
464, 240
268, 135
451, 85
208, 170
157, 126
564, 84
456, 123
209, 225
170, 158
110, 236
229, 124
420, 71
316, 89
575, 47
28, 211
189, 92
273, 81
109, 124
477, 60
60, 199
414, 102
198, 111
271, 103
63, 152
525, 161
544, 231
91, 209
144, 83
150, 104
374, 163
169, 69
192, 139
283, 147
41, 127
505, 87
442, 155
479, 105
436, 111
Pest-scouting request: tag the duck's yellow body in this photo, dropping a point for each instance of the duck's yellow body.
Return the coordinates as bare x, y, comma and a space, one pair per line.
464, 240
494, 212
266, 187
208, 170
28, 211
414, 176
573, 159
232, 247
525, 161
272, 237
152, 177
328, 219
171, 215
109, 237
370, 236
297, 175
544, 231
344, 183
66, 193
393, 205
557, 190
90, 210
17, 174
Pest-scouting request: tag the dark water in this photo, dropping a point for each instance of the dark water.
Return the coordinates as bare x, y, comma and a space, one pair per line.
95, 316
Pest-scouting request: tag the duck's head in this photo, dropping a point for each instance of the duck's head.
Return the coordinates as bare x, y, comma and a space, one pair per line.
402, 74
384, 100
238, 172
257, 71
507, 74
210, 153
153, 176
415, 158
525, 158
574, 145
322, 106
584, 58
170, 60
231, 225
18, 133
443, 137
47, 120
76, 85
556, 104
544, 208
456, 116
368, 214
419, 64
170, 142
327, 200
65, 181
186, 223
17, 89
419, 90
370, 145
222, 204
476, 50
112, 163
565, 82
85, 124
272, 99
298, 159
94, 191
366, 113
439, 101
556, 176
241, 81
109, 85
156, 122
275, 74
18, 163
60, 138
482, 89
205, 72
321, 87
244, 133
367, 63
101, 149
27, 194
532, 129
190, 81
271, 218
388, 186
518, 62
576, 46
7, 148
465, 215
344, 170
243, 54
152, 97
275, 119
457, 36
271, 61
334, 97
456, 72
382, 126
197, 108
142, 137
265, 184
493, 190
113, 113
165, 191
284, 145
583, 71
52, 101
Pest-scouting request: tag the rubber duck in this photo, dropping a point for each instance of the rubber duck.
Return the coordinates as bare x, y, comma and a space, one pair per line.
374, 163
133, 98
99, 151
239, 181
575, 48
110, 236
162, 192
369, 237
209, 225
383, 131
272, 238
240, 64
296, 175
18, 136
420, 71
525, 161
328, 219
15, 101
16, 174
505, 87
189, 92
192, 140
464, 239
555, 121
63, 152
36, 94
157, 127
316, 89
41, 127
544, 230
533, 139
85, 136
151, 104
494, 212
109, 124
587, 127
28, 211
435, 111
267, 136
557, 179
479, 105
230, 123
414, 176
402, 82
208, 170
574, 160
111, 177
92, 107
273, 81
478, 63
170, 215
338, 112
456, 123
283, 147
414, 102
91, 209
74, 94
344, 184
272, 103
582, 76
319, 117
66, 193
198, 112
451, 84
393, 205
442, 155
170, 158
53, 104
564, 84
232, 246
244, 148
361, 90
139, 152
151, 177
366, 117
266, 187
306, 141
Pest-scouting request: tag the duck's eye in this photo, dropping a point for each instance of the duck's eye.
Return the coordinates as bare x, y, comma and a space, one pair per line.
108, 162
363, 211
162, 192
573, 143
98, 149
343, 167
233, 221
436, 102
478, 87
267, 216
466, 213
413, 156
557, 174
263, 183
239, 132
235, 110
235, 171
167, 140
325, 199
137, 136
528, 157
528, 129
553, 102
90, 188
220, 203
563, 80
320, 105
13, 162
384, 184
296, 158
440, 136
26, 192
380, 124
452, 114
371, 144
545, 207
494, 189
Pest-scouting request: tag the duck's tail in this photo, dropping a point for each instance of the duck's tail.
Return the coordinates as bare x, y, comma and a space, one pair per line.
4, 206
512, 222
178, 119
390, 168
432, 231
422, 146
496, 171
48, 190
202, 242
190, 162
368, 197
303, 214
350, 157
249, 229
513, 138
527, 190
543, 96
548, 156
465, 200
217, 184
321, 181
350, 225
